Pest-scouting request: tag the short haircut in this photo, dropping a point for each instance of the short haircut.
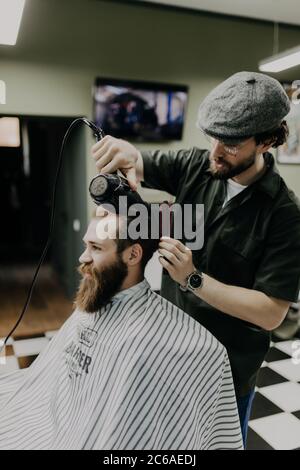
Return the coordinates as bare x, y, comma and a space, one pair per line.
149, 245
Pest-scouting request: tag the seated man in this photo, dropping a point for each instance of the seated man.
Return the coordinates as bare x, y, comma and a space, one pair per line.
127, 370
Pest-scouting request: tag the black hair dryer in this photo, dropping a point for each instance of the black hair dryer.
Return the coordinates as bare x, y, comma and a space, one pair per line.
107, 188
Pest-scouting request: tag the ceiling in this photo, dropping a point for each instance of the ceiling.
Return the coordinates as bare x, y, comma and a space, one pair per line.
102, 35
282, 11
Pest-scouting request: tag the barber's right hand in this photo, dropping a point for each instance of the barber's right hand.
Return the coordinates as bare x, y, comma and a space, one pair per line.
111, 154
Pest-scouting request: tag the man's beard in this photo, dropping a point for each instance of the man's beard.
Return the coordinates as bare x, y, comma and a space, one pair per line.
96, 290
229, 171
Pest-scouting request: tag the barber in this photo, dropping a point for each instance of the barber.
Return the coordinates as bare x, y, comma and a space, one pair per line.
243, 280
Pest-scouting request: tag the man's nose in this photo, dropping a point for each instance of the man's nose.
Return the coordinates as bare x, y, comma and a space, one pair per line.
85, 257
219, 147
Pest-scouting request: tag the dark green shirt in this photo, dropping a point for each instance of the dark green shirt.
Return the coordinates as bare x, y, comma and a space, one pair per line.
253, 242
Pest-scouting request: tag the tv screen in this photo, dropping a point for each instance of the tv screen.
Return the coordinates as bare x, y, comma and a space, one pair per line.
142, 111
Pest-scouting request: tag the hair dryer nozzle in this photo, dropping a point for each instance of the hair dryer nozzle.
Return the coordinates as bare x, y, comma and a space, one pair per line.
98, 133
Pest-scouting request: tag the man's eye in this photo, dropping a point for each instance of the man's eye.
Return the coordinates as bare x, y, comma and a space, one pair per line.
97, 248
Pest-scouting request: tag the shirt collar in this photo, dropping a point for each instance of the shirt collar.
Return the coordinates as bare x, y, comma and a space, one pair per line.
124, 294
270, 181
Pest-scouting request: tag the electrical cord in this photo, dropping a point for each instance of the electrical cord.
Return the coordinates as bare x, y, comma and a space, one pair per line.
98, 134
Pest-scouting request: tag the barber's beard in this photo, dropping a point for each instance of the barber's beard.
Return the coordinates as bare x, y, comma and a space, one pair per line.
228, 170
96, 290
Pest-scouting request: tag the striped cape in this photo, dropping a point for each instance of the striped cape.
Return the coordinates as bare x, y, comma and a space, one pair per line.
138, 374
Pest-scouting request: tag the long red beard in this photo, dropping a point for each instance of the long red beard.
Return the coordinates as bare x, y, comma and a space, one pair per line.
89, 289
96, 290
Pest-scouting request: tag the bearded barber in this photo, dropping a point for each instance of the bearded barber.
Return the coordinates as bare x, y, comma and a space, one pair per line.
242, 282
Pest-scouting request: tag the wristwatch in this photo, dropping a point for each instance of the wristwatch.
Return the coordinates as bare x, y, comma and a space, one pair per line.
193, 281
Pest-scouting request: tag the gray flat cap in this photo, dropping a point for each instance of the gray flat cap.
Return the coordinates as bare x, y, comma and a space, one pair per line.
245, 104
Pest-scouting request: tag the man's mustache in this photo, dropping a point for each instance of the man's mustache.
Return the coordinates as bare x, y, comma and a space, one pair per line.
85, 269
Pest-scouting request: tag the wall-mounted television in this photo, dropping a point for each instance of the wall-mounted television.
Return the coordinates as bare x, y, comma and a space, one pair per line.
140, 110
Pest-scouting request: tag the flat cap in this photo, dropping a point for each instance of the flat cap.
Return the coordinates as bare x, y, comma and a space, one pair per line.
245, 104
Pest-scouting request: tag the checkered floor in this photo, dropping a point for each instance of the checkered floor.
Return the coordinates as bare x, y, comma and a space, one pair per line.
275, 419
20, 353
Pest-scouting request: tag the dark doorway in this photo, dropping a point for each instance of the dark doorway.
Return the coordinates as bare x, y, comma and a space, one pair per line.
26, 185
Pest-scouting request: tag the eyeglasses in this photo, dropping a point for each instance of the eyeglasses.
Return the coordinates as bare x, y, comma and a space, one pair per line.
230, 149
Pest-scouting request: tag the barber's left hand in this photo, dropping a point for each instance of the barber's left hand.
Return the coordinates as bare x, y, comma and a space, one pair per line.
176, 258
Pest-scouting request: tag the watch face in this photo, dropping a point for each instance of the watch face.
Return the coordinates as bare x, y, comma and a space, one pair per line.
195, 281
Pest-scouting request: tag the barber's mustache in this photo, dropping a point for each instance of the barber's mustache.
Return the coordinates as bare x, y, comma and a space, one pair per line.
220, 159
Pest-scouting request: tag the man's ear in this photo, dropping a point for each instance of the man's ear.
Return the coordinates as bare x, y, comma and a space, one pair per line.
133, 254
264, 147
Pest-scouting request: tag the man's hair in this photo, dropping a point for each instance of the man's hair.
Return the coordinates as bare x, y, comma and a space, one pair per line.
276, 137
149, 246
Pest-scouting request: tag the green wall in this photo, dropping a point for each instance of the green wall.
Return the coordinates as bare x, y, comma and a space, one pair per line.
64, 44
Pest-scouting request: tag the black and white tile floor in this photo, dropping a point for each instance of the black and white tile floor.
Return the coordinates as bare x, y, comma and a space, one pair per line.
275, 419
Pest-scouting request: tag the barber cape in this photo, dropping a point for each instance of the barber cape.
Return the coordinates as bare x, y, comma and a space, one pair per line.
138, 374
